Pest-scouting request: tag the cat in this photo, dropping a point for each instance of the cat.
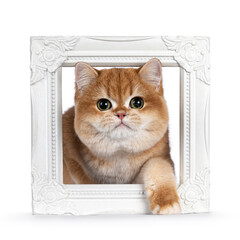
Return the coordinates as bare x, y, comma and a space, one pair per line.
117, 132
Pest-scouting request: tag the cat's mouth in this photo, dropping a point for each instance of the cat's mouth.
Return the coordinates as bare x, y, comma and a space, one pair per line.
122, 125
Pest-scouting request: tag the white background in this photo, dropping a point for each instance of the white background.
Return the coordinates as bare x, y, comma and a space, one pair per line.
21, 19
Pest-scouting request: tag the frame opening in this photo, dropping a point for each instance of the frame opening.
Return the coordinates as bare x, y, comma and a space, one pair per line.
172, 94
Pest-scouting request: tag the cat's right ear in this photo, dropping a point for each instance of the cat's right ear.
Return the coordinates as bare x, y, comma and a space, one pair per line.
151, 72
84, 75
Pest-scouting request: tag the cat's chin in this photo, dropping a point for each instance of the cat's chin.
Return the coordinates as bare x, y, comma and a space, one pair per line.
122, 142
121, 132
118, 138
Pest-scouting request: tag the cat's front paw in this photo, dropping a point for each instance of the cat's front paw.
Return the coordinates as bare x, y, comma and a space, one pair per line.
163, 200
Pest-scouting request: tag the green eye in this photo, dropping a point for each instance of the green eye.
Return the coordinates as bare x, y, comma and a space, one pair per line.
104, 104
136, 103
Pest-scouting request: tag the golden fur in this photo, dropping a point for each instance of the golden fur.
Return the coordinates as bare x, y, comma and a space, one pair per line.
96, 149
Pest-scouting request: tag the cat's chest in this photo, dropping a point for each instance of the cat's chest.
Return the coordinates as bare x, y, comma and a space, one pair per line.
118, 169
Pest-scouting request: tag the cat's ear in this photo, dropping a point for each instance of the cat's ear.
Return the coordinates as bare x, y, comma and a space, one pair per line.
151, 72
84, 75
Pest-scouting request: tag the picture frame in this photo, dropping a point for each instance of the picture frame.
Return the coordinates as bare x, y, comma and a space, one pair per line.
50, 54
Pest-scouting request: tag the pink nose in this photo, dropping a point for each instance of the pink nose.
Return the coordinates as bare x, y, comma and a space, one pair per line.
121, 115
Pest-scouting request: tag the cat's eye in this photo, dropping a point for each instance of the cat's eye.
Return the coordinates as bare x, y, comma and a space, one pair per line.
136, 103
104, 104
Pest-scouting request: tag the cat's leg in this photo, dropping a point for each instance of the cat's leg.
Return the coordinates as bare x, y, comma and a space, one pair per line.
158, 177
73, 173
67, 179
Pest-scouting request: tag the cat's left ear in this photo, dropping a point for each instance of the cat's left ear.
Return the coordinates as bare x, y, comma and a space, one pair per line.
84, 75
151, 72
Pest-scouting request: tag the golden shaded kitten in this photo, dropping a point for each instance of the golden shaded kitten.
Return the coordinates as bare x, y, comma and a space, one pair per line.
118, 132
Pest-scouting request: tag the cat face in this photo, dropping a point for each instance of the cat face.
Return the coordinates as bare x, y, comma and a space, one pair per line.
120, 109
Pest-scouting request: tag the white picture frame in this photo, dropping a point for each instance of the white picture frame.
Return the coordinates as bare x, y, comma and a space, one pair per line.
50, 54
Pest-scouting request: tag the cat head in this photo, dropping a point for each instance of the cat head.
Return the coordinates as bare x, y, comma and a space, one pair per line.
120, 109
